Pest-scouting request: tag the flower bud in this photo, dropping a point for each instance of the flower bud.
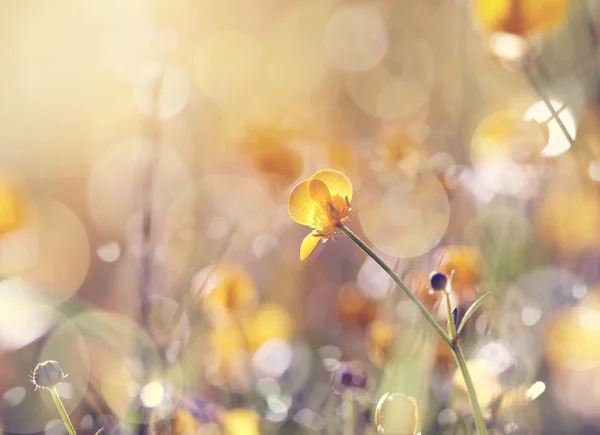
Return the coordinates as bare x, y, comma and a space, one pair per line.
47, 374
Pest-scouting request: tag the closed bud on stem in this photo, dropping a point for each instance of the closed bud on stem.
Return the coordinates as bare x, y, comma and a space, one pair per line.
47, 374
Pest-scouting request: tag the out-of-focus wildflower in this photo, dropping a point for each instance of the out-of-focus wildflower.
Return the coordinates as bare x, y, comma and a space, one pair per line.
379, 339
572, 338
226, 357
321, 202
521, 17
569, 219
47, 374
351, 376
354, 307
270, 153
463, 260
269, 321
240, 421
227, 289
13, 207
191, 416
398, 150
504, 136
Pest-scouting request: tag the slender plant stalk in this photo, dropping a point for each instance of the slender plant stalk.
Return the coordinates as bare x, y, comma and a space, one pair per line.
477, 413
451, 325
424, 311
348, 417
536, 85
63, 412
451, 342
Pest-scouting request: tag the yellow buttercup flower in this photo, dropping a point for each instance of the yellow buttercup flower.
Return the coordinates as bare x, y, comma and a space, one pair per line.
322, 203
521, 17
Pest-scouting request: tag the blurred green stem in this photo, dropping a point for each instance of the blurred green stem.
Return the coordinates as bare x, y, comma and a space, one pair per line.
348, 413
451, 342
451, 325
62, 411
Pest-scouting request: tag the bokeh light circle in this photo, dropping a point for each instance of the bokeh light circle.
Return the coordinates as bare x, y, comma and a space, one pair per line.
406, 219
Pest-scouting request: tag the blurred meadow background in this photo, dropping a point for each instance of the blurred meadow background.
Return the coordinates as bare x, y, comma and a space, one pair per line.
147, 151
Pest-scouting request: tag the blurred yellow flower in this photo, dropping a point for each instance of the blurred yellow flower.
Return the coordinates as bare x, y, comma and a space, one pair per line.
521, 17
465, 261
268, 148
321, 202
379, 338
269, 321
226, 357
354, 307
240, 422
13, 207
226, 289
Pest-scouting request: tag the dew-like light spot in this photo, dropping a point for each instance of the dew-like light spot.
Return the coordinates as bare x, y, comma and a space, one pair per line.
446, 417
535, 390
23, 318
174, 90
531, 315
496, 357
557, 142
152, 394
87, 422
273, 358
579, 291
594, 170
356, 38
14, 396
109, 252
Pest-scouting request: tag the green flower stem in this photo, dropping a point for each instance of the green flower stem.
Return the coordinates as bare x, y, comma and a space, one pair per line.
477, 413
536, 85
452, 343
63, 412
451, 325
424, 311
349, 424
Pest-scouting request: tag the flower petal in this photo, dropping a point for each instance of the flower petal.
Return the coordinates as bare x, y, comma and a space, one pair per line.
300, 204
309, 244
336, 182
319, 193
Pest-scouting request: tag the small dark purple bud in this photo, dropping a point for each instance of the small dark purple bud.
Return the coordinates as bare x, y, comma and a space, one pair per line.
346, 379
438, 281
47, 374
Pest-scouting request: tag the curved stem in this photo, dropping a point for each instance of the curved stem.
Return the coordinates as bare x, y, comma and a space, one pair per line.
62, 411
424, 311
452, 343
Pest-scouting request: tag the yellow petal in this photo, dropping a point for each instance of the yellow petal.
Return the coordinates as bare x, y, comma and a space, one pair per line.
300, 204
309, 244
336, 182
319, 193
